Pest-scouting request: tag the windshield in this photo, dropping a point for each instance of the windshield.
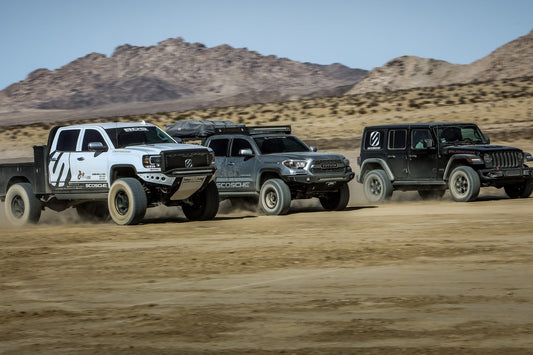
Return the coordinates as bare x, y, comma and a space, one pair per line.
460, 135
127, 136
280, 144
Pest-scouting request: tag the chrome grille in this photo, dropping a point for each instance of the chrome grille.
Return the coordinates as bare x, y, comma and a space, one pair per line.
327, 166
180, 159
507, 159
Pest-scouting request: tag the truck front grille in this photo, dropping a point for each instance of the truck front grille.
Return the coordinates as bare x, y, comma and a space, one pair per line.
327, 166
188, 159
507, 159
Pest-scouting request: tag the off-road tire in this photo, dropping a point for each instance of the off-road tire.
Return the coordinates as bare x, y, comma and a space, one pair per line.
275, 197
21, 205
464, 184
336, 200
520, 190
204, 204
431, 194
127, 201
377, 186
93, 211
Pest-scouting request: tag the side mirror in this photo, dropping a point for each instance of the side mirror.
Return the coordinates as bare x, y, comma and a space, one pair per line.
246, 152
97, 147
313, 148
485, 140
428, 143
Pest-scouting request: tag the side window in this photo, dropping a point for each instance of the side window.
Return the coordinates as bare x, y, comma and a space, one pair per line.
67, 140
239, 144
418, 136
397, 139
91, 135
219, 146
374, 139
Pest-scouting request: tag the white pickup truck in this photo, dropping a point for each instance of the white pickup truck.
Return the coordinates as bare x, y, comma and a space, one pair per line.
114, 170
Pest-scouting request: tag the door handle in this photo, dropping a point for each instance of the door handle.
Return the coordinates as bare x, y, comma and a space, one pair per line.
391, 156
81, 158
231, 164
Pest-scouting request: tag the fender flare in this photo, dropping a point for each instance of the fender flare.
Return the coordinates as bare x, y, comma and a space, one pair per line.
382, 163
466, 159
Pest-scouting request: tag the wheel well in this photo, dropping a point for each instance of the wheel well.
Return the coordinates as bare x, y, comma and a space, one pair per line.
369, 167
454, 164
267, 175
16, 180
122, 172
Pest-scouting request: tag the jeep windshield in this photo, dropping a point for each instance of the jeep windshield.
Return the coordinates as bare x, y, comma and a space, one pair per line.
280, 144
137, 135
449, 135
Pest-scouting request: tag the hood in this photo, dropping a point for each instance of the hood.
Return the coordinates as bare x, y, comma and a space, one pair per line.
471, 149
303, 156
158, 148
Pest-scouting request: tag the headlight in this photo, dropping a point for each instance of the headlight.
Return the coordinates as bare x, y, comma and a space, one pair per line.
527, 157
295, 164
211, 158
152, 161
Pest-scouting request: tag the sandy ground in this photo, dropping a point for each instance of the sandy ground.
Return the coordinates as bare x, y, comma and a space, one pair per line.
405, 277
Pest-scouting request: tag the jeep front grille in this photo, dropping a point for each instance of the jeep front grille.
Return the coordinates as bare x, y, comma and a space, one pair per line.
327, 166
180, 159
507, 159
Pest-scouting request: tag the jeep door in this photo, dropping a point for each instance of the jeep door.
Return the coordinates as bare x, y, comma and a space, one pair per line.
422, 155
89, 169
397, 152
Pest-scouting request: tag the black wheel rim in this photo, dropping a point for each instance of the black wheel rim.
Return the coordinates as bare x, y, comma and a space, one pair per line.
17, 207
375, 187
461, 185
122, 202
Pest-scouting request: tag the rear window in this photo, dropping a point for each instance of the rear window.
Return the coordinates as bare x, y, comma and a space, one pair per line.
374, 139
67, 140
397, 139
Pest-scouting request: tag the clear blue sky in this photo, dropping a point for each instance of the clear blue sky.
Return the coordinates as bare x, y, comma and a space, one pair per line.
359, 33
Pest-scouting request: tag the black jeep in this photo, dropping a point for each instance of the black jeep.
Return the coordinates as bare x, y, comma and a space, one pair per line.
431, 157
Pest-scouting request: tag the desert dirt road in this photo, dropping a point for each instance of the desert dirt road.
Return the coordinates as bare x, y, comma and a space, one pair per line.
405, 277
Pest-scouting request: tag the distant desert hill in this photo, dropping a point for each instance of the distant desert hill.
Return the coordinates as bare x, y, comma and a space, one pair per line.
514, 59
171, 71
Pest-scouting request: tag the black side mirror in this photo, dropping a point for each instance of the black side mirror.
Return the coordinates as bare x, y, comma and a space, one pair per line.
485, 140
313, 148
428, 143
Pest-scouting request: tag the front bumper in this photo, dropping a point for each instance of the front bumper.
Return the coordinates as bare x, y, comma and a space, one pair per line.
504, 174
319, 179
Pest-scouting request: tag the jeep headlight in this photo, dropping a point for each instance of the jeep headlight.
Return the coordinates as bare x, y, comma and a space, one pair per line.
527, 157
295, 164
487, 158
152, 161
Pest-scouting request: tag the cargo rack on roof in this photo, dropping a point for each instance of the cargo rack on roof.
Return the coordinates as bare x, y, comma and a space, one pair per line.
201, 129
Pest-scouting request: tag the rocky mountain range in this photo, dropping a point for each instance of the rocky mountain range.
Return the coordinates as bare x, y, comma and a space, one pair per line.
175, 75
174, 70
514, 59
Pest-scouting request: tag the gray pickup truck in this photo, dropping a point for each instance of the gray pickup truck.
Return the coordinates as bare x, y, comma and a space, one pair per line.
269, 164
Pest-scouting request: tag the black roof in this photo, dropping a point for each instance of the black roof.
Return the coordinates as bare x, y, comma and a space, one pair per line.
420, 124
